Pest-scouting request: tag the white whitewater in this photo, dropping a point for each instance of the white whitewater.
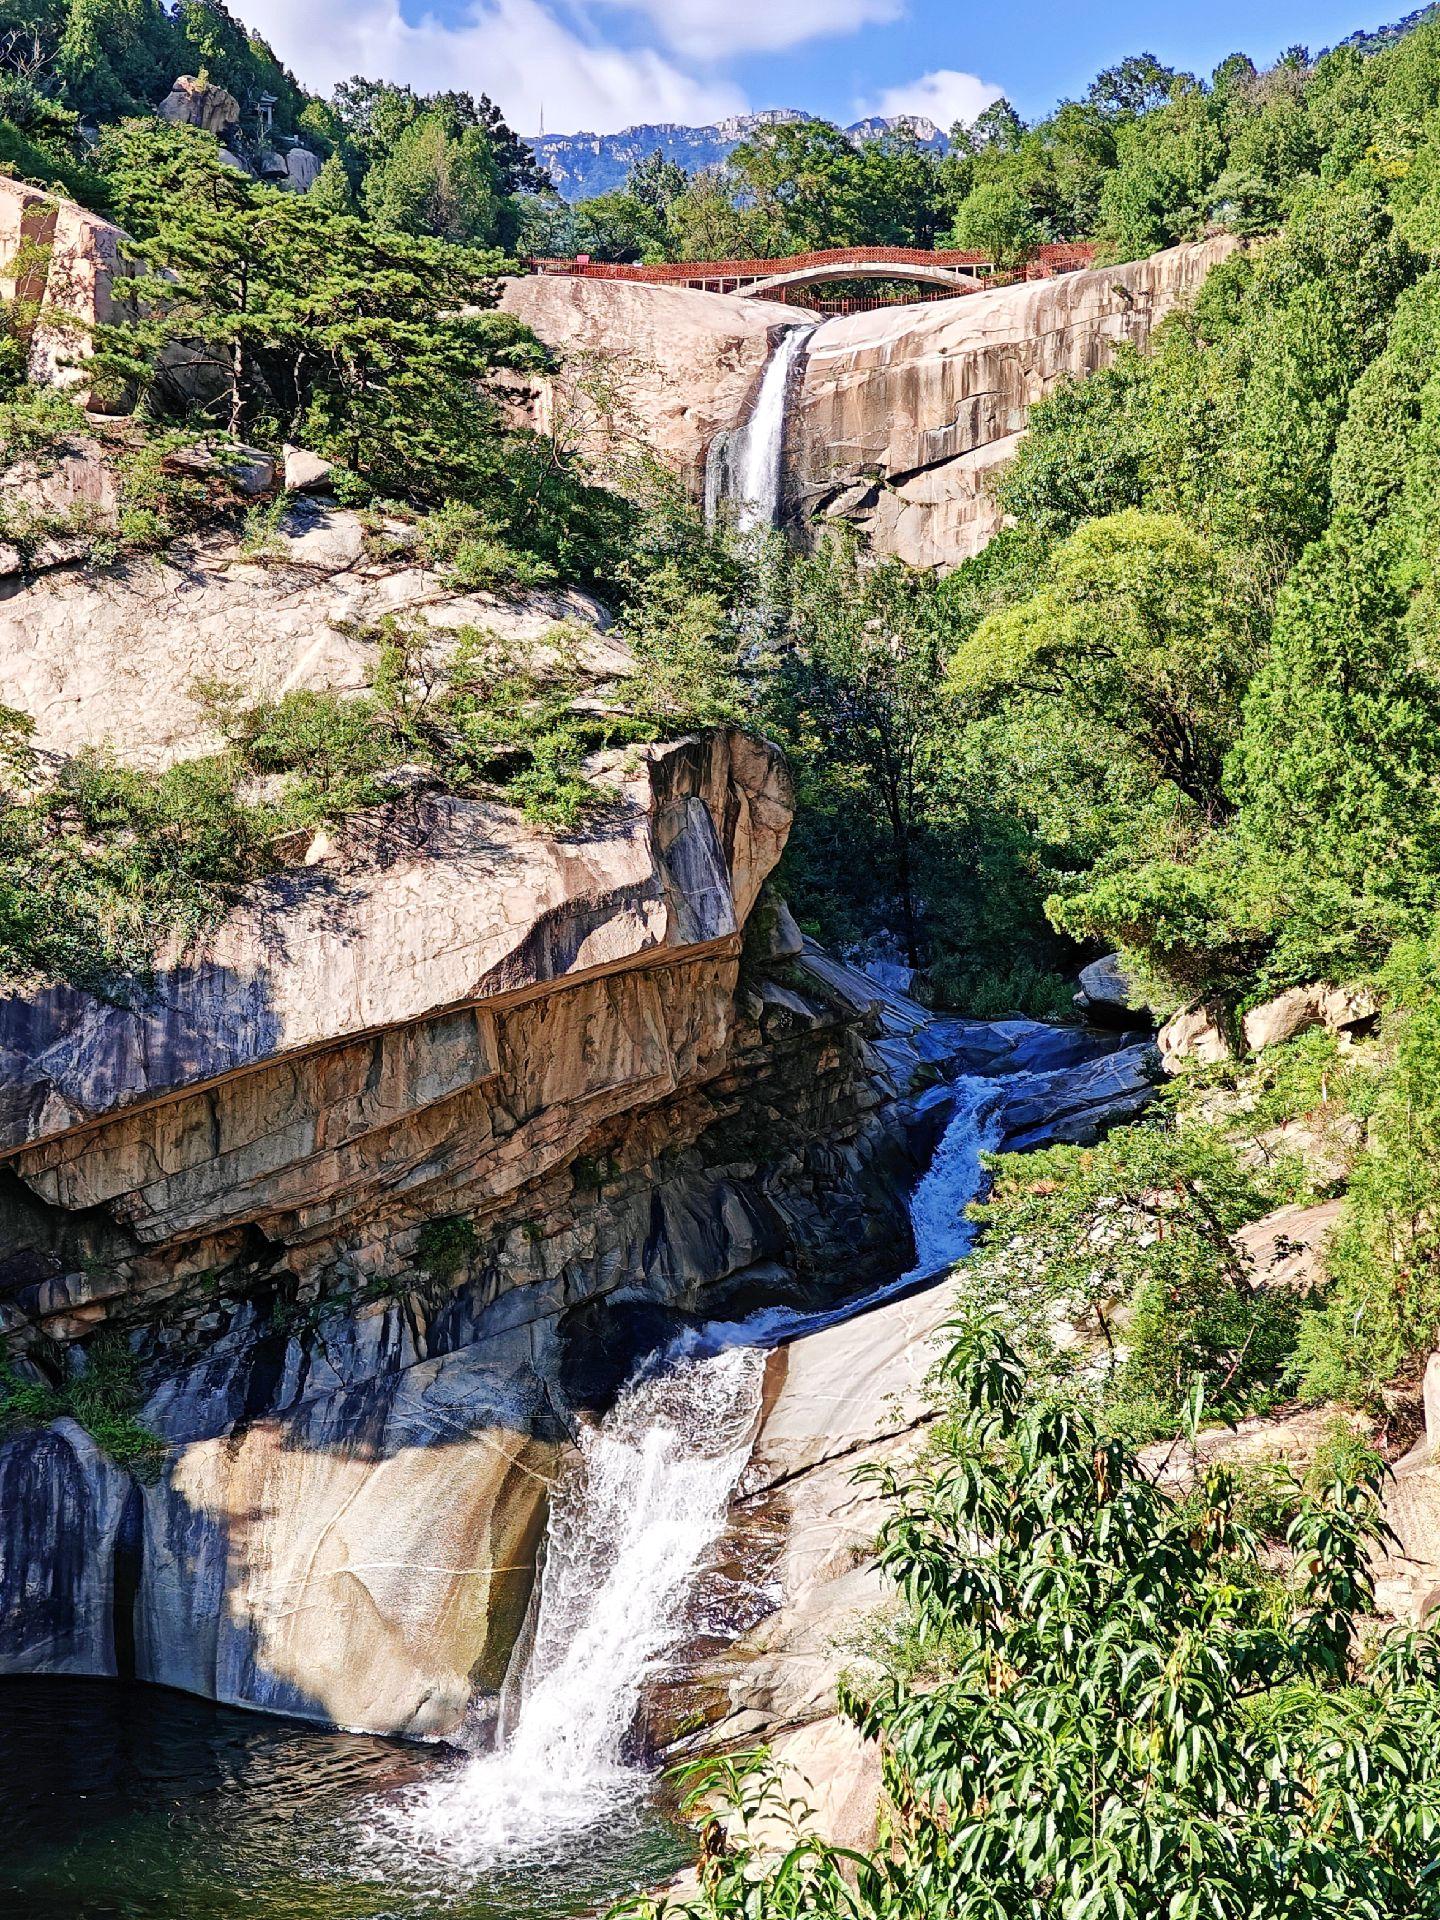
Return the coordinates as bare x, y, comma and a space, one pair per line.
630, 1525
937, 1206
744, 471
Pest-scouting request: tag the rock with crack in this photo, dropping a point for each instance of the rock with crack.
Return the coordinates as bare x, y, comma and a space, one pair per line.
905, 414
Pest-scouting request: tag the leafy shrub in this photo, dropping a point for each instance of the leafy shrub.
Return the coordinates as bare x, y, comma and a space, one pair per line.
1382, 1314
446, 1247
103, 1397
1128, 1712
1139, 1232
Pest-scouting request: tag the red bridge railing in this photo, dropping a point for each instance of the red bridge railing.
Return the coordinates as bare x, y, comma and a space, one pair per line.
1045, 261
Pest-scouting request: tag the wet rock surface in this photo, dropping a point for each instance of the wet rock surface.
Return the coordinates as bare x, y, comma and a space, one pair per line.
796, 1577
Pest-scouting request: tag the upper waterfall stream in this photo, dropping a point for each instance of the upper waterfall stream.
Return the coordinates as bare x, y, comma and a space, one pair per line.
631, 1522
745, 470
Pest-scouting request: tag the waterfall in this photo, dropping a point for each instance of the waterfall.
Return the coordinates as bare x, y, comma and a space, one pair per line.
937, 1206
629, 1524
744, 470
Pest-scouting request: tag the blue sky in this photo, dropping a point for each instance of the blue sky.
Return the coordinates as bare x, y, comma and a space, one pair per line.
602, 64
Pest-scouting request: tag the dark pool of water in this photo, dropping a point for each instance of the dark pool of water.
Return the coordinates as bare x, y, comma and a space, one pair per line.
122, 1802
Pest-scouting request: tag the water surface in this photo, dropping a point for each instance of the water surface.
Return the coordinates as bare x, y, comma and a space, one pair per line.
121, 1802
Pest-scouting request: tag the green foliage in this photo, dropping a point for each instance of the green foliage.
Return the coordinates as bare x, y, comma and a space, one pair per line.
101, 864
1382, 1314
1140, 1231
816, 188
446, 1247
856, 696
1139, 626
656, 182
1133, 1715
438, 178
103, 1397
996, 219
615, 226
294, 321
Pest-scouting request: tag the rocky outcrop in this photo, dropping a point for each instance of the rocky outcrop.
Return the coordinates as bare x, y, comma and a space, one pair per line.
194, 102
1207, 1033
417, 1145
901, 416
66, 269
344, 1520
115, 658
348, 1176
904, 414
660, 367
1342, 1010
1202, 1035
1107, 998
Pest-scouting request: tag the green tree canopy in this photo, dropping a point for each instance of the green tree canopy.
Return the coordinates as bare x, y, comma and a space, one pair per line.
1139, 625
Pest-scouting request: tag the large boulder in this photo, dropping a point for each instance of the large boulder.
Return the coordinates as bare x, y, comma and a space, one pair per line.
193, 102
307, 472
1106, 998
67, 267
1199, 1035
1298, 1009
302, 168
1286, 1249
365, 1562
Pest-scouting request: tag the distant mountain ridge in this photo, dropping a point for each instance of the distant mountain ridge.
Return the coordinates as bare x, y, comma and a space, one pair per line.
584, 164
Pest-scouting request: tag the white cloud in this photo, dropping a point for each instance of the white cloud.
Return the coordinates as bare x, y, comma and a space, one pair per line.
514, 50
944, 96
714, 29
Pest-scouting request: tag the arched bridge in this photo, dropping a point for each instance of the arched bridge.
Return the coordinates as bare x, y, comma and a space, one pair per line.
944, 271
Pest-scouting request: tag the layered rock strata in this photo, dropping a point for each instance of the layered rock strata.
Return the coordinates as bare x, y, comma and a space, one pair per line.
441, 1124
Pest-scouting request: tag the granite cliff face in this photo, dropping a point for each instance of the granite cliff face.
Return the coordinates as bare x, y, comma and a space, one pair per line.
900, 417
904, 414
444, 1121
675, 368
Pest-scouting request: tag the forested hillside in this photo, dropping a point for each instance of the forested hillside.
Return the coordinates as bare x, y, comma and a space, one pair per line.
1185, 707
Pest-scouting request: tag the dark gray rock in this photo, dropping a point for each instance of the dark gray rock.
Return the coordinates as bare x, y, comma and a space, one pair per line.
1106, 997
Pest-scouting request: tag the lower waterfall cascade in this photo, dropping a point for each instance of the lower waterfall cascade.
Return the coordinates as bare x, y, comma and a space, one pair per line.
631, 1521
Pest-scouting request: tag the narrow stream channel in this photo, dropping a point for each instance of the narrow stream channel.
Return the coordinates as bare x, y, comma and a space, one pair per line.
127, 1803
